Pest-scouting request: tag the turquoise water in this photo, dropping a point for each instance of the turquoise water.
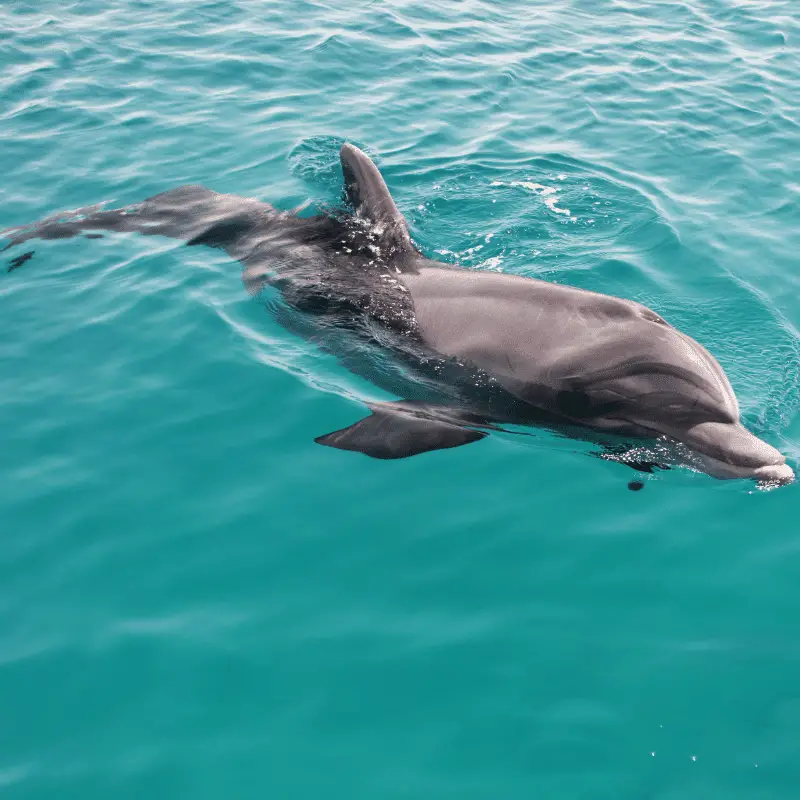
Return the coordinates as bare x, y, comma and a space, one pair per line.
196, 601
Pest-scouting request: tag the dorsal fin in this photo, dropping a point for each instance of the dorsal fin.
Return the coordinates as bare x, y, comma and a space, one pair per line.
371, 200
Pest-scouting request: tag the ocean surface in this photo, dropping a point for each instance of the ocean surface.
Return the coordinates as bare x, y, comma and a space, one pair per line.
197, 601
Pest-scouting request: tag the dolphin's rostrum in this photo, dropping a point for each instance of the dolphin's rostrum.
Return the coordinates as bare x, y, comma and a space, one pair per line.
489, 348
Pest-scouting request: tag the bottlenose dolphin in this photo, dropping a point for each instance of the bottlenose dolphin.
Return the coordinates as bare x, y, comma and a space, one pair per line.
491, 349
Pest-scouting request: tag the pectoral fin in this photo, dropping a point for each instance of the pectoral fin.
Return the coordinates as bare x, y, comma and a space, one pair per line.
400, 430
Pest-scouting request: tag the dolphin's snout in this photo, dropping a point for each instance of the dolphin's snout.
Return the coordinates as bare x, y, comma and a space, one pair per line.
774, 473
729, 450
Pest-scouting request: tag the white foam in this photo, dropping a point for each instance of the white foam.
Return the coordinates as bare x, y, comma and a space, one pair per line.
548, 193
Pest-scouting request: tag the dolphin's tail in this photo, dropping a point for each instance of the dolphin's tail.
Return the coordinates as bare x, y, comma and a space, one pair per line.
192, 213
62, 226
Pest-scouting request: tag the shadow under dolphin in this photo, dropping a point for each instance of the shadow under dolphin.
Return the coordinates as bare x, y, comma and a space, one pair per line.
490, 349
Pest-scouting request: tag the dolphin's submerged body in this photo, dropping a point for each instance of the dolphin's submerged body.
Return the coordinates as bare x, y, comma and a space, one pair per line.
490, 349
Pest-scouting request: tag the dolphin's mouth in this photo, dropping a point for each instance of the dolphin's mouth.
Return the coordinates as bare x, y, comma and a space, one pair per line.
775, 473
779, 473
730, 451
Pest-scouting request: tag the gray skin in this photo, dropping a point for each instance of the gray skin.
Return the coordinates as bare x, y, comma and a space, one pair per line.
471, 350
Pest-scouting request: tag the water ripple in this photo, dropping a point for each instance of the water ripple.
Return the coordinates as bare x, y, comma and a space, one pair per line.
193, 592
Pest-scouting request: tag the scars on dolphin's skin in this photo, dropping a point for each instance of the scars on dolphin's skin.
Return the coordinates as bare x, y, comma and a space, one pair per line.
490, 349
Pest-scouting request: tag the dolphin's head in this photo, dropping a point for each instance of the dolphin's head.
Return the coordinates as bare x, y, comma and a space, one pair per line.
670, 385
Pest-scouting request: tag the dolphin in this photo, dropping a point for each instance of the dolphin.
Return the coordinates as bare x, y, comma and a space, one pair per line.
490, 349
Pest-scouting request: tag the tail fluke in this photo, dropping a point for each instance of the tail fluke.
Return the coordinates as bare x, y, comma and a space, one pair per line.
192, 213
